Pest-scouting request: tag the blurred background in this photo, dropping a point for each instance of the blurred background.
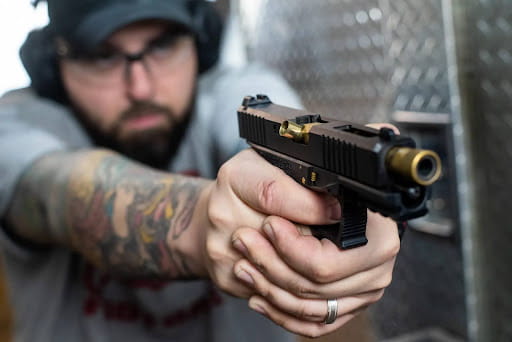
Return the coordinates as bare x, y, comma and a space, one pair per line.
17, 18
441, 70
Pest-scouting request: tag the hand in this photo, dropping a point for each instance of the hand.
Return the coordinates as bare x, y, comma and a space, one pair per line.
247, 190
287, 275
294, 274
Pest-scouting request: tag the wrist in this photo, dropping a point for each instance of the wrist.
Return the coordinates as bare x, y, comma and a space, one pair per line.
191, 245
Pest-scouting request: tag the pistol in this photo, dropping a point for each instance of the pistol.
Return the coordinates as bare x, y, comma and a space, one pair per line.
364, 168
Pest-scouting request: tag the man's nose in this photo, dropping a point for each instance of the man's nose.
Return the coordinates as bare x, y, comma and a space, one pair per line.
139, 81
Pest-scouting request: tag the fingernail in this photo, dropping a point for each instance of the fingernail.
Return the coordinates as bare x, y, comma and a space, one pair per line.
335, 211
239, 246
245, 276
269, 231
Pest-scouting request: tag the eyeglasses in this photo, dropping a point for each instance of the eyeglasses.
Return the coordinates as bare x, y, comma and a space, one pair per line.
108, 67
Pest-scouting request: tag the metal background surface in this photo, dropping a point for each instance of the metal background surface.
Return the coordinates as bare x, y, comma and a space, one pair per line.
428, 289
415, 44
332, 52
365, 60
483, 34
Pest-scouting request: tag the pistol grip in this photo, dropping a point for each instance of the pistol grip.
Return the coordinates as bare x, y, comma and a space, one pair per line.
350, 231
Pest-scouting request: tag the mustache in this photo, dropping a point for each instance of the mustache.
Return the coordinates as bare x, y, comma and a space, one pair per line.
141, 108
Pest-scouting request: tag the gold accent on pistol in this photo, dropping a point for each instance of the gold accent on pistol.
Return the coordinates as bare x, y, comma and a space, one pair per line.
420, 166
296, 132
313, 177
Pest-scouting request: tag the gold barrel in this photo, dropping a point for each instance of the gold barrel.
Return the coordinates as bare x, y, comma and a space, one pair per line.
420, 166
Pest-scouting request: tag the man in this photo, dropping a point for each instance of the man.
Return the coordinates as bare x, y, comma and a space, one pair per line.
102, 247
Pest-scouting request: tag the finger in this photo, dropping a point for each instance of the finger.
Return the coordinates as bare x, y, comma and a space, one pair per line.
322, 261
266, 269
296, 325
221, 258
384, 125
313, 310
267, 189
226, 209
224, 278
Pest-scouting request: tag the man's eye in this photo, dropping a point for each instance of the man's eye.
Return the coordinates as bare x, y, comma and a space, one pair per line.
165, 46
105, 57
104, 60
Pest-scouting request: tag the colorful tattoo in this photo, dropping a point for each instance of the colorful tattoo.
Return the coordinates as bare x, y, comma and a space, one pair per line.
120, 215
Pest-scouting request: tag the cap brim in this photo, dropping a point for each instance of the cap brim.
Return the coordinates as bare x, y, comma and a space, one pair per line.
98, 27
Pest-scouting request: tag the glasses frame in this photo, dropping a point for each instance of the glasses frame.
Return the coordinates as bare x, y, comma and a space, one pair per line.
174, 40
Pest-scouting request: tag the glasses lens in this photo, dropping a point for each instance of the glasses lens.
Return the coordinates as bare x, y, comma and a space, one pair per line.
98, 68
166, 56
107, 68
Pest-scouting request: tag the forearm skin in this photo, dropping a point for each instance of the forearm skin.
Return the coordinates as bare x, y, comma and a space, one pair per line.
121, 216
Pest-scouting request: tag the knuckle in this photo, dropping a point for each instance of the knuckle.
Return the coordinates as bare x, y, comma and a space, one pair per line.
260, 265
390, 250
313, 332
303, 311
302, 290
385, 280
265, 292
378, 296
264, 289
322, 273
267, 194
279, 321
217, 215
225, 172
214, 251
393, 249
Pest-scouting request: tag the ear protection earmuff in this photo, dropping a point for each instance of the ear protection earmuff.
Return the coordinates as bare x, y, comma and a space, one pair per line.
209, 25
39, 57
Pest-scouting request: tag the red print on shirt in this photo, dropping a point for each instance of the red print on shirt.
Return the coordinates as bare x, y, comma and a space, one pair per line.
191, 173
130, 311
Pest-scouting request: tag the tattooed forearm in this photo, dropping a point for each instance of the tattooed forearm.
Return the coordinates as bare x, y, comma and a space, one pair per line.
187, 202
121, 216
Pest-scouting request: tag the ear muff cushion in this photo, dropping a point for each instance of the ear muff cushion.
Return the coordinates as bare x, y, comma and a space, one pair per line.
38, 56
209, 23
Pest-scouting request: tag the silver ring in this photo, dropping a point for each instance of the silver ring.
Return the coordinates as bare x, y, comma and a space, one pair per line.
332, 311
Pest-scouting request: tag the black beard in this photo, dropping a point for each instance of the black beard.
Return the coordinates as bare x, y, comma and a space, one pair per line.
155, 148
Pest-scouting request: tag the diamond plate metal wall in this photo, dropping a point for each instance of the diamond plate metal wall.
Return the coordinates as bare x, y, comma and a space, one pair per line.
414, 37
428, 287
330, 51
484, 29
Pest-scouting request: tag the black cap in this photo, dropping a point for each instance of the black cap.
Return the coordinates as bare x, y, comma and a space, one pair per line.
87, 23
